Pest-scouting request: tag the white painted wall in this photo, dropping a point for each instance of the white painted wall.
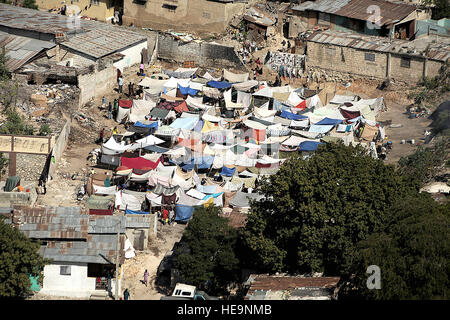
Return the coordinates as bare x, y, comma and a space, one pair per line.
76, 285
132, 56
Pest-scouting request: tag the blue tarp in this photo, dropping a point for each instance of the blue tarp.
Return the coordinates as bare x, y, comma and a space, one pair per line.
292, 116
128, 211
328, 122
184, 123
219, 84
151, 125
199, 126
187, 90
229, 172
183, 213
204, 162
309, 146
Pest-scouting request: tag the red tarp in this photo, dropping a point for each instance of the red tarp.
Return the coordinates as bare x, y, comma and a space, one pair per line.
125, 103
182, 107
301, 105
139, 163
350, 114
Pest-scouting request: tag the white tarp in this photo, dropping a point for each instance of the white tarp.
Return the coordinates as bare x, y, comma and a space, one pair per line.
196, 103
208, 76
153, 83
235, 77
140, 109
245, 86
174, 82
129, 250
104, 190
111, 147
122, 113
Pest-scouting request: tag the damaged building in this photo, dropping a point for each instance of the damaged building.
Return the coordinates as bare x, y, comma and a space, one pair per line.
393, 19
54, 48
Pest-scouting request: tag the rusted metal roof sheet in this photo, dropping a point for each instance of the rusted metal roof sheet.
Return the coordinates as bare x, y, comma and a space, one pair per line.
358, 9
20, 50
258, 16
437, 51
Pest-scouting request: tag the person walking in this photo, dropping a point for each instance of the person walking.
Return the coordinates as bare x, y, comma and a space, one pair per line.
145, 277
120, 84
109, 110
115, 108
126, 294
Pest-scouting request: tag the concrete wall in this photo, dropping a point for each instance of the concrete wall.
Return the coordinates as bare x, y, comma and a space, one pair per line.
58, 148
201, 15
132, 56
94, 85
101, 12
203, 54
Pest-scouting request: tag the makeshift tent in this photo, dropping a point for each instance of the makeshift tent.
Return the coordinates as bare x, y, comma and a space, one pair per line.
292, 116
140, 109
228, 172
245, 85
173, 83
212, 93
182, 107
309, 146
320, 128
196, 103
183, 213
110, 160
143, 124
159, 113
156, 149
184, 123
126, 103
328, 121
122, 113
187, 91
200, 163
138, 163
111, 147
235, 77
242, 199
104, 190
100, 202
219, 84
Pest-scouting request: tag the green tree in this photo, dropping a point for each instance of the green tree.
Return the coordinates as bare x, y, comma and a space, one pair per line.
19, 258
208, 259
441, 8
315, 211
413, 253
44, 130
421, 166
15, 124
30, 4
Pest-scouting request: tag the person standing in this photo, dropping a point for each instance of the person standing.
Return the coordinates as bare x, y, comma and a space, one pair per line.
115, 107
102, 134
141, 69
110, 111
104, 102
120, 84
126, 294
171, 216
165, 215
145, 277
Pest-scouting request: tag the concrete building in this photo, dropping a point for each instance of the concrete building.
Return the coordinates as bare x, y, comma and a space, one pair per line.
349, 54
57, 47
101, 10
370, 17
82, 248
181, 15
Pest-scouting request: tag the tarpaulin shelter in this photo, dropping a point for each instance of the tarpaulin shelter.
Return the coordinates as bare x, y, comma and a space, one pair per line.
128, 211
204, 162
182, 107
138, 163
292, 116
125, 103
111, 147
245, 85
184, 123
228, 172
159, 113
235, 77
183, 213
153, 124
140, 109
156, 149
196, 103
320, 128
309, 146
242, 199
110, 160
219, 84
187, 90
328, 121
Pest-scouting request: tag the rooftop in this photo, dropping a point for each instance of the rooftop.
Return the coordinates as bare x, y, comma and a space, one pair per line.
357, 9
267, 287
421, 47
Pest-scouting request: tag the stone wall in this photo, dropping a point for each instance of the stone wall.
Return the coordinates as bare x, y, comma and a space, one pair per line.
203, 54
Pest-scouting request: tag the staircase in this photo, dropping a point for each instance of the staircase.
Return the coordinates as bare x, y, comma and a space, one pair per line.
100, 295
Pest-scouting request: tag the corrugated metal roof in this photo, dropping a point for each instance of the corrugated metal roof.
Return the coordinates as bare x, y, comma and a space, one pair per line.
358, 9
436, 50
100, 43
20, 50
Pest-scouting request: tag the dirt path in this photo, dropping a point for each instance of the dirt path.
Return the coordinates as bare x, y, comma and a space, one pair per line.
150, 259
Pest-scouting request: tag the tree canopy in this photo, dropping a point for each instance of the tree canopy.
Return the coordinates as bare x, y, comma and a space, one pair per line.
316, 210
19, 258
413, 253
210, 261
